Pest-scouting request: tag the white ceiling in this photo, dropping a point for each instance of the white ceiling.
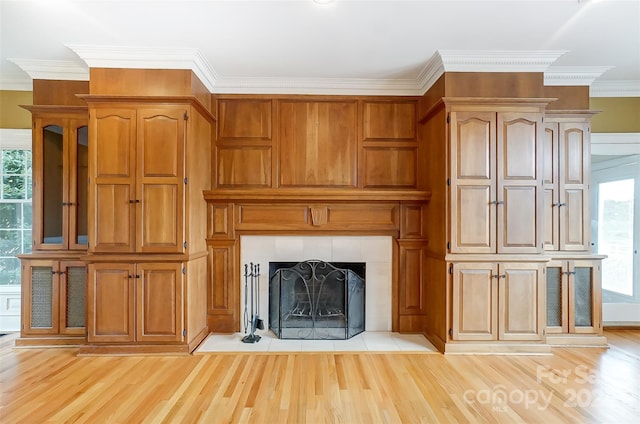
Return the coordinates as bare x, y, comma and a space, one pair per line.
301, 46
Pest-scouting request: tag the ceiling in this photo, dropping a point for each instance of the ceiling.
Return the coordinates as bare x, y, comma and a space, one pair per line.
346, 46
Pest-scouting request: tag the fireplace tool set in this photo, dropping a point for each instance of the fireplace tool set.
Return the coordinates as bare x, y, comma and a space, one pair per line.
252, 276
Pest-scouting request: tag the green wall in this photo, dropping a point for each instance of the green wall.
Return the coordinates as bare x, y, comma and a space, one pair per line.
11, 114
619, 114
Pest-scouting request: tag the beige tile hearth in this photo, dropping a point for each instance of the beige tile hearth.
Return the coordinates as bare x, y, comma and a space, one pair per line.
369, 341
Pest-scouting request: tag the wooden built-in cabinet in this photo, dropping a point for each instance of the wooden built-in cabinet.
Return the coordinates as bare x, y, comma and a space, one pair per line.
495, 179
53, 276
149, 164
136, 302
497, 301
566, 175
138, 178
60, 187
574, 301
53, 300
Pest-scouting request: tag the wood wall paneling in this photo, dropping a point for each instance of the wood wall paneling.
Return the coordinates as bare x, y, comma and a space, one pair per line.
223, 291
390, 167
246, 166
389, 120
241, 119
317, 145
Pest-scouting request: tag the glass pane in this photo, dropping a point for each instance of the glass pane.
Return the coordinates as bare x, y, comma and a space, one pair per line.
27, 215
13, 162
52, 184
554, 297
9, 215
83, 185
10, 242
13, 187
615, 234
583, 296
9, 271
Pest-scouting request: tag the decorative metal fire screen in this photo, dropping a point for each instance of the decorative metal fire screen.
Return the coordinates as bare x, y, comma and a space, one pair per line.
316, 300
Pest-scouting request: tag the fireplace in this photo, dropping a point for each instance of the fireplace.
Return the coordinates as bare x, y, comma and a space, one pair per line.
316, 300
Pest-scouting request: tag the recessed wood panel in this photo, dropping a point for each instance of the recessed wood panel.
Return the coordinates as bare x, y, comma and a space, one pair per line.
362, 216
266, 216
223, 287
115, 215
159, 302
519, 147
390, 167
520, 302
411, 267
475, 220
411, 221
574, 232
161, 218
573, 157
389, 121
317, 143
474, 146
160, 143
244, 119
475, 302
519, 219
116, 132
220, 218
244, 166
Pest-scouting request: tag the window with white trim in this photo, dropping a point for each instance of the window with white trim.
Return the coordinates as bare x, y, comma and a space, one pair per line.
15, 203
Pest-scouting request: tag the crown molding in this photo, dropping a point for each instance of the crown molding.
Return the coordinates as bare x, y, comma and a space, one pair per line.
498, 60
16, 84
52, 69
147, 58
573, 75
625, 88
320, 86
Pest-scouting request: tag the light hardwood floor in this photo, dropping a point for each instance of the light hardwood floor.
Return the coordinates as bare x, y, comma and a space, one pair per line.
580, 385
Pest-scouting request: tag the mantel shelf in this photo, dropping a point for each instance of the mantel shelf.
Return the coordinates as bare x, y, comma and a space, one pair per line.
316, 195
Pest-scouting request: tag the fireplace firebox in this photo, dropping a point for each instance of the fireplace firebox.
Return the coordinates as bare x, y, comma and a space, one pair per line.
316, 300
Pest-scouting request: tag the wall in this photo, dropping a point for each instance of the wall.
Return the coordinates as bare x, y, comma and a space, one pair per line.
619, 115
11, 114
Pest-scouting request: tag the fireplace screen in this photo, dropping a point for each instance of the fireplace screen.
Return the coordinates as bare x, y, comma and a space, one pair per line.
316, 300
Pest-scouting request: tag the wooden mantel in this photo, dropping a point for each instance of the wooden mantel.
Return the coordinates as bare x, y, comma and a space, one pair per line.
398, 213
316, 195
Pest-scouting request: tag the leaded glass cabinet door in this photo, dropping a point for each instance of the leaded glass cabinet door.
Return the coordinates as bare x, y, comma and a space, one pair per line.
584, 297
73, 279
557, 297
39, 297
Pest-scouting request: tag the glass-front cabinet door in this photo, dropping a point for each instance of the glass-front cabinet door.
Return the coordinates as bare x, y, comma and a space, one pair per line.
60, 189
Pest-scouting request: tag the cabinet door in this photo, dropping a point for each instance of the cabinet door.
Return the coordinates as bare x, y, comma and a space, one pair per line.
585, 297
160, 180
550, 186
557, 297
159, 294
574, 187
40, 306
473, 186
112, 196
521, 301
518, 186
475, 301
78, 186
110, 303
50, 191
73, 277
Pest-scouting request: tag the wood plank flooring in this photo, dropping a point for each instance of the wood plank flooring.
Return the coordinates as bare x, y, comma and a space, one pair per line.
580, 385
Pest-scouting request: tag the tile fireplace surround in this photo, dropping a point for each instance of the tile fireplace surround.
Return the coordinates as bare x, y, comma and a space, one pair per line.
375, 251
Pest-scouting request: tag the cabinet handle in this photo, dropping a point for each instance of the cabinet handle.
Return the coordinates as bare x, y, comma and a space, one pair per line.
129, 276
561, 204
132, 201
494, 202
500, 202
137, 276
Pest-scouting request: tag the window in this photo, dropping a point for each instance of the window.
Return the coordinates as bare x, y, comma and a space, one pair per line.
15, 204
616, 219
